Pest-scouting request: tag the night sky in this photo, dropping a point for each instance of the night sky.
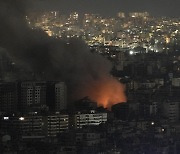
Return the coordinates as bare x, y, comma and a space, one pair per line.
111, 7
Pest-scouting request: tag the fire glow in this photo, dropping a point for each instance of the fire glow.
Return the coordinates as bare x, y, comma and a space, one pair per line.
54, 59
106, 92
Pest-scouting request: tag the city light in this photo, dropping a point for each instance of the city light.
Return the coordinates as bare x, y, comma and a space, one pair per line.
152, 123
6, 118
131, 52
21, 118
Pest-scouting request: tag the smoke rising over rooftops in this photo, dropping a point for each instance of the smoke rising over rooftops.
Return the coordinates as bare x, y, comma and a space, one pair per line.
54, 59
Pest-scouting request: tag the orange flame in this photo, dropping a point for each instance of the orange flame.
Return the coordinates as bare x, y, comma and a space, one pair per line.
105, 92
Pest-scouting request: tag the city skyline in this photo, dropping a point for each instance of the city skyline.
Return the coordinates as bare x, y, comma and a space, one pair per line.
107, 8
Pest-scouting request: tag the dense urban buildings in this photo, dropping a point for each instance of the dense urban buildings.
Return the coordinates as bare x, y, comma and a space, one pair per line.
38, 115
136, 29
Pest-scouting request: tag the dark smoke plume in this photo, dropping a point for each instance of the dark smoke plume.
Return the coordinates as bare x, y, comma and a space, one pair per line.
53, 59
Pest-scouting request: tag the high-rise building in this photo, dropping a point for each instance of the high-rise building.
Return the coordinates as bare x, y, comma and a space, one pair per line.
60, 96
33, 94
8, 97
121, 60
121, 15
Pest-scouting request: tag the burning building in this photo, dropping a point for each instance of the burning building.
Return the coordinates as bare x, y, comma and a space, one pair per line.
85, 73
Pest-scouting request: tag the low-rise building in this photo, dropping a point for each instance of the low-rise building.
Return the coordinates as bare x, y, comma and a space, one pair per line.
92, 118
55, 124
